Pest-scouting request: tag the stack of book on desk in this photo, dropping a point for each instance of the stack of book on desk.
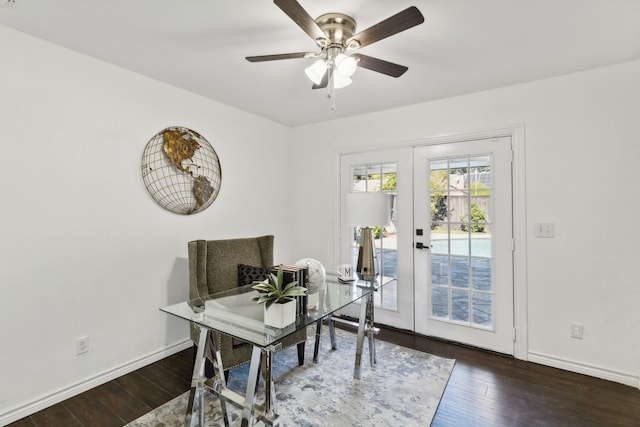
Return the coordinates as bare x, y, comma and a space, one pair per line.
299, 274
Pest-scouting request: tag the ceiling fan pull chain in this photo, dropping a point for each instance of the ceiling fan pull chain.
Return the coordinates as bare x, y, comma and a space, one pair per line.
331, 94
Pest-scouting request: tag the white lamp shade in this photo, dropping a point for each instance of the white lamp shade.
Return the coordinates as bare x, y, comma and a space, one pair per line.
316, 71
346, 65
340, 81
368, 209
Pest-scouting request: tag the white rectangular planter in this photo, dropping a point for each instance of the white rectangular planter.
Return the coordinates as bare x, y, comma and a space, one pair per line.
280, 315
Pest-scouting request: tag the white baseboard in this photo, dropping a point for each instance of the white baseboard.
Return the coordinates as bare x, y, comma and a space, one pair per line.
30, 408
593, 371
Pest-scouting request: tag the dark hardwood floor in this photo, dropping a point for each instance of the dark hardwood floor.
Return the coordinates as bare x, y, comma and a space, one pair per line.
485, 389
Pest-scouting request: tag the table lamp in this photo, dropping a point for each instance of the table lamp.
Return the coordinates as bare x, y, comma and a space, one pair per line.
367, 210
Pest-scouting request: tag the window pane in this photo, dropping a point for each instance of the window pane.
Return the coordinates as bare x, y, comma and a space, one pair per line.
439, 165
440, 302
440, 270
439, 206
460, 272
481, 274
479, 206
439, 188
481, 243
459, 305
440, 247
482, 309
458, 244
480, 172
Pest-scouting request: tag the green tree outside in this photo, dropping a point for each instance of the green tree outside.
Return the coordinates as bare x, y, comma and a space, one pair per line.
478, 219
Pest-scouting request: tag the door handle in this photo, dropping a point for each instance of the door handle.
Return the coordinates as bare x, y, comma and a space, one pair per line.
420, 245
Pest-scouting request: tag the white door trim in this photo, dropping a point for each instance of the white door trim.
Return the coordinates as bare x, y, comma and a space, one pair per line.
520, 303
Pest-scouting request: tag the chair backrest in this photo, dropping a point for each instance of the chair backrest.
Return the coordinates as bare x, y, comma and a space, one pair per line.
213, 264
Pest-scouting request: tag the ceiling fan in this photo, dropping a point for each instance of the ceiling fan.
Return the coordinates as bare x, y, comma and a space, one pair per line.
335, 35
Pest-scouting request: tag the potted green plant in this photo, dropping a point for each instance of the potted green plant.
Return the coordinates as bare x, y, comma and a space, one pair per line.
279, 299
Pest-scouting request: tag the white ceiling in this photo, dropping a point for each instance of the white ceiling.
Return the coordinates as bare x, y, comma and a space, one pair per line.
463, 46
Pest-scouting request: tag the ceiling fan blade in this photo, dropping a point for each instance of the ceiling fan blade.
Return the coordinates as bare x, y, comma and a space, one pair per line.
279, 56
408, 18
379, 65
300, 16
323, 83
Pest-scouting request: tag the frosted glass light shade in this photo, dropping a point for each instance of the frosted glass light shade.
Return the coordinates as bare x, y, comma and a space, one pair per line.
346, 65
316, 71
368, 209
339, 81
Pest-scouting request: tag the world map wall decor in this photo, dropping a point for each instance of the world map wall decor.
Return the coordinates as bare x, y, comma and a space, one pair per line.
181, 170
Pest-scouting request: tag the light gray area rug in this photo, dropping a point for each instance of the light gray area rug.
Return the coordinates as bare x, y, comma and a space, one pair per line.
403, 389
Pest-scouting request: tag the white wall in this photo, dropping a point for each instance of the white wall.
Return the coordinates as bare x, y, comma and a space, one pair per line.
582, 152
84, 250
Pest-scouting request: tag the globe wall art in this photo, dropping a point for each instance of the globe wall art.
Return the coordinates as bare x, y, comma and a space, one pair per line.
181, 170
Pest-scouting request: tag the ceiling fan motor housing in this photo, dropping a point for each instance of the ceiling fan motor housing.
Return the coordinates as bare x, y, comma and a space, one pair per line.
338, 28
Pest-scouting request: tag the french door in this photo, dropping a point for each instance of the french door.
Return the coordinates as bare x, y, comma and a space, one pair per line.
388, 171
463, 242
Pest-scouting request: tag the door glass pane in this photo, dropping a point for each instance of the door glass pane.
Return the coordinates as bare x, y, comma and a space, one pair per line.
482, 309
481, 274
459, 305
440, 302
460, 199
459, 272
439, 179
440, 270
381, 177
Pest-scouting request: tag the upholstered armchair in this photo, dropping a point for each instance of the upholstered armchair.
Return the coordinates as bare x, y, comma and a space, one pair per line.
213, 267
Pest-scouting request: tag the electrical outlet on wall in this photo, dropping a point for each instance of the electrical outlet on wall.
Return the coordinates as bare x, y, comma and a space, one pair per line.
577, 331
82, 345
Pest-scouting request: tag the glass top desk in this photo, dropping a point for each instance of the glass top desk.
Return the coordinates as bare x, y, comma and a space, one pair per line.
234, 313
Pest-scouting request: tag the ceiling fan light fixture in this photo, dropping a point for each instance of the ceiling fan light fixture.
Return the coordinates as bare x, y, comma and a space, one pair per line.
316, 71
346, 65
340, 81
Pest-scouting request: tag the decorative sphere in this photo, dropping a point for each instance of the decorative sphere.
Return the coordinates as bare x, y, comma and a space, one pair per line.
181, 170
317, 273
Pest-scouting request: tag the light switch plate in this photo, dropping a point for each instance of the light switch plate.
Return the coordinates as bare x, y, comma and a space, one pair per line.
546, 230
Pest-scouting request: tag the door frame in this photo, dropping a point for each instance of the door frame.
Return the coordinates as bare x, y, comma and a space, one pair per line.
517, 134
498, 335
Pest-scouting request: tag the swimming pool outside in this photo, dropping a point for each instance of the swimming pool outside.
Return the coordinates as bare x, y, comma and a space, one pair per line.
467, 278
480, 246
